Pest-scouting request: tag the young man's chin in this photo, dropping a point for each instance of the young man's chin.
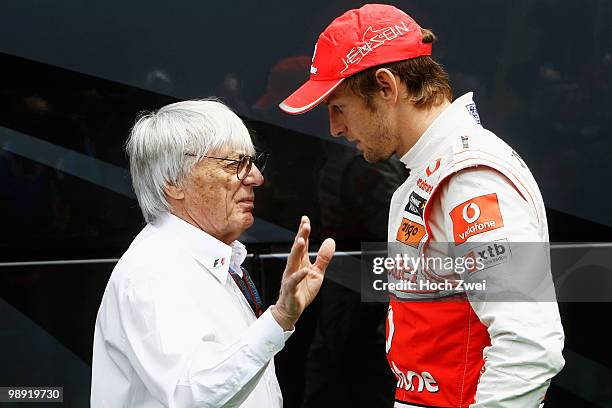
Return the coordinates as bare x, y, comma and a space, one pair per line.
374, 157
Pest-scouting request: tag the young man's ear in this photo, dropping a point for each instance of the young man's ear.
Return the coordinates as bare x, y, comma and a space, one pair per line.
389, 85
174, 192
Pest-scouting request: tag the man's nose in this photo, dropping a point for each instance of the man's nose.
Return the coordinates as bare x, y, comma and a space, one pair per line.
336, 125
254, 178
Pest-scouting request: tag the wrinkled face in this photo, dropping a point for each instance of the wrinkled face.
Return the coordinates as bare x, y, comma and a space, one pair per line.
216, 201
371, 131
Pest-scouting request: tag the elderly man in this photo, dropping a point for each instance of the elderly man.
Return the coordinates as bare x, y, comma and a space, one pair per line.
181, 323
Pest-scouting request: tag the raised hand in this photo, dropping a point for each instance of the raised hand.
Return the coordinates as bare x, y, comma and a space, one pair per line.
301, 279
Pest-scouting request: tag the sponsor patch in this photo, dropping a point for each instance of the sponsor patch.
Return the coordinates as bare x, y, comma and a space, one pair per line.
424, 185
475, 216
219, 262
491, 254
473, 111
432, 168
415, 381
410, 233
416, 204
465, 141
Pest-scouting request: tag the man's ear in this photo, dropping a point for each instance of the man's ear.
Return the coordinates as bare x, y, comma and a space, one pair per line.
174, 192
389, 85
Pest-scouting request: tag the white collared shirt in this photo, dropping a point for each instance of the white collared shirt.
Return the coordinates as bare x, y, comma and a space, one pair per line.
174, 330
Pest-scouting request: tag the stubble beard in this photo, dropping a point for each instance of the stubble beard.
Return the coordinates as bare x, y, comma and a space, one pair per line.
381, 142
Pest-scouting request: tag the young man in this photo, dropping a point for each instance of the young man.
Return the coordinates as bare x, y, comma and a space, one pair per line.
373, 70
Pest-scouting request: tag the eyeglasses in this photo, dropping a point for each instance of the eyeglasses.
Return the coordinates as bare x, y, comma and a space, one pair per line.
244, 162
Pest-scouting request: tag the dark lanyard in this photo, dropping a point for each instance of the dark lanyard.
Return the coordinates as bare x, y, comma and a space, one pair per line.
248, 289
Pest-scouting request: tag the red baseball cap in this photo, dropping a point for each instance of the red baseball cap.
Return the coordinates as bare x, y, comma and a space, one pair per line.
359, 39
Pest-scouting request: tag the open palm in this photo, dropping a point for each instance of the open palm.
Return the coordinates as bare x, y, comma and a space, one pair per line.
301, 279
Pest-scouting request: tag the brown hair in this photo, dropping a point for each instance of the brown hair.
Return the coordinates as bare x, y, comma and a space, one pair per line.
425, 79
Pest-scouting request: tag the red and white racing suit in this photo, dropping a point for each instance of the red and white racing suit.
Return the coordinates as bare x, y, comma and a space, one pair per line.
469, 188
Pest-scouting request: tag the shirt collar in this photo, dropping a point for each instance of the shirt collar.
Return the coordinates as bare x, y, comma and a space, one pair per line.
213, 254
453, 117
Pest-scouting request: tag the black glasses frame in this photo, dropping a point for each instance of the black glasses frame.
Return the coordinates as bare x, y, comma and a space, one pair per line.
260, 160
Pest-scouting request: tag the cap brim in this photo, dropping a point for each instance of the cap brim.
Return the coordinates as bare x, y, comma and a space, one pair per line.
308, 96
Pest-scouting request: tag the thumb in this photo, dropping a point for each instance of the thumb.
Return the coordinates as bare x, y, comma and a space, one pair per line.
325, 254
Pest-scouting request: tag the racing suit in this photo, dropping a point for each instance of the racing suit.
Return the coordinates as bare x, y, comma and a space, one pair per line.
447, 348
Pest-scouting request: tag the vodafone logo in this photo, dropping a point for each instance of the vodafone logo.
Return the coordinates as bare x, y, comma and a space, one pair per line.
415, 381
475, 210
477, 229
475, 216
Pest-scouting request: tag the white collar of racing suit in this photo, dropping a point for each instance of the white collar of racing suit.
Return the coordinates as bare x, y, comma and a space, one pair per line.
455, 116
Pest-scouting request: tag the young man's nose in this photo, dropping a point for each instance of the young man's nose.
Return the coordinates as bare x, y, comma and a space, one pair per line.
336, 125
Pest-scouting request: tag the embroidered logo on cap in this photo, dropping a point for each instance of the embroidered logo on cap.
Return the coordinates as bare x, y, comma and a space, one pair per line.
313, 69
375, 40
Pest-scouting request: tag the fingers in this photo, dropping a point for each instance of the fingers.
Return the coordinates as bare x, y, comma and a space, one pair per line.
293, 261
306, 235
325, 254
300, 245
304, 230
304, 220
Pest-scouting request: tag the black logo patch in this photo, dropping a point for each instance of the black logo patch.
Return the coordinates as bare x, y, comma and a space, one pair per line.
416, 204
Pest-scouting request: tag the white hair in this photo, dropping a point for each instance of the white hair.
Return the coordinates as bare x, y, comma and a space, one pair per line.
164, 146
